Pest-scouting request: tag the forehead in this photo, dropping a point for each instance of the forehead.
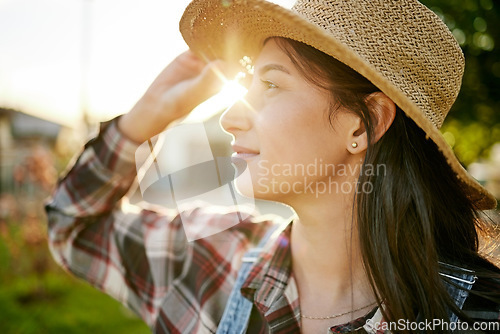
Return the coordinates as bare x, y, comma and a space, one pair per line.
279, 52
271, 53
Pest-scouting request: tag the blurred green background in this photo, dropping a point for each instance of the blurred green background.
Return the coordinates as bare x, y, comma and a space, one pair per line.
36, 296
473, 125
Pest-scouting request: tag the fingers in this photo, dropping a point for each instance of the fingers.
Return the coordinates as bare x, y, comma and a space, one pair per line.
218, 66
191, 61
212, 78
200, 88
184, 67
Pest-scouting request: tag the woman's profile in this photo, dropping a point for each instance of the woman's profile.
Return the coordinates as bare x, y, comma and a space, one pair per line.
387, 229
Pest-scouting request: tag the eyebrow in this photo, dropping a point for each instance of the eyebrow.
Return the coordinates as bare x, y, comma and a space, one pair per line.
271, 67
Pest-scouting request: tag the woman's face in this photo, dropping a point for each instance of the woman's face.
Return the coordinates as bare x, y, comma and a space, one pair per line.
281, 129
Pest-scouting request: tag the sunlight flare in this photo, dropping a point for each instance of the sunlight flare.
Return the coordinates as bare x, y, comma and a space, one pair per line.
231, 92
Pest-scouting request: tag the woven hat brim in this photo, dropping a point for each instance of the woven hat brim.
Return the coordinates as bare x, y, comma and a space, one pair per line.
230, 30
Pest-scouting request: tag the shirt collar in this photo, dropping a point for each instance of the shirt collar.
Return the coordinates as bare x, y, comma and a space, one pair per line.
270, 274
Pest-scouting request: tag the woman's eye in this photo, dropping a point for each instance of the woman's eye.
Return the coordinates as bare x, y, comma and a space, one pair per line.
269, 85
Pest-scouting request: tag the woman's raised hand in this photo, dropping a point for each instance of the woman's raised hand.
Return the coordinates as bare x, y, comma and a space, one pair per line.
186, 82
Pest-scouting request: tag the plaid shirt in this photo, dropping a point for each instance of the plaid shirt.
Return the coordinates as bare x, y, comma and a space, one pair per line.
142, 258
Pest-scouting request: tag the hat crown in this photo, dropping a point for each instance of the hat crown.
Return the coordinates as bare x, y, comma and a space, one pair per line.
405, 41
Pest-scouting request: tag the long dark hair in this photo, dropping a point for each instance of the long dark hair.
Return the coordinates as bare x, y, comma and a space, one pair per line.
417, 213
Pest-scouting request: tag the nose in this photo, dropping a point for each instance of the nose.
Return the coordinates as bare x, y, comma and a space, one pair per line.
238, 117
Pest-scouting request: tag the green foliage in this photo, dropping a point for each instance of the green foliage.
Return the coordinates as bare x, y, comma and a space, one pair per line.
472, 126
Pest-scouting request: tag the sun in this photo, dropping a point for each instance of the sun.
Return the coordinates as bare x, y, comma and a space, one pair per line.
231, 92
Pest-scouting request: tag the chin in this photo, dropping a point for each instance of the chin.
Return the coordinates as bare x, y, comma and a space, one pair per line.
244, 187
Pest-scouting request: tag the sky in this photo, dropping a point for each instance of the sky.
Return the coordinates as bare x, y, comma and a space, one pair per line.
60, 56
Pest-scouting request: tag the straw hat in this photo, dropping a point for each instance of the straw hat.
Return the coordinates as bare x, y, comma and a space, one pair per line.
399, 45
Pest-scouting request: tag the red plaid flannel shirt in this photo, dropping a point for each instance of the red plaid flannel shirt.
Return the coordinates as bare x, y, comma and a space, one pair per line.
141, 257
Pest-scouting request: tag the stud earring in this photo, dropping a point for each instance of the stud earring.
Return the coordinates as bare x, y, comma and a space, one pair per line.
354, 145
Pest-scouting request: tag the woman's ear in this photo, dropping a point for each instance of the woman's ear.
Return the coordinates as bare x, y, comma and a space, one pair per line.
383, 110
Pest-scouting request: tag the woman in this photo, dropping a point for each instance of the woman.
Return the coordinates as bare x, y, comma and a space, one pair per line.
350, 85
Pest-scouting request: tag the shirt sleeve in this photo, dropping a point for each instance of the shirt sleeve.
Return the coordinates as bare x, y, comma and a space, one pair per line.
130, 253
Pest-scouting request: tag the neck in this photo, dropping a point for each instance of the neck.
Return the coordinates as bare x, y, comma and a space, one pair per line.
327, 264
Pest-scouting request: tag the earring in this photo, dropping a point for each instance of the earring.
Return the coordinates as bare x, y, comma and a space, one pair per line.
354, 145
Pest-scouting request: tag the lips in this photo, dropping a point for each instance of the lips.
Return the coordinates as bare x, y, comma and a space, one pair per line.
243, 152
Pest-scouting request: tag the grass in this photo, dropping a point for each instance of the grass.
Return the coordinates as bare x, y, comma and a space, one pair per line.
59, 304
38, 297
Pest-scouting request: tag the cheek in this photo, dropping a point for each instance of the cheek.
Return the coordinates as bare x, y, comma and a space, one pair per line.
279, 125
297, 137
